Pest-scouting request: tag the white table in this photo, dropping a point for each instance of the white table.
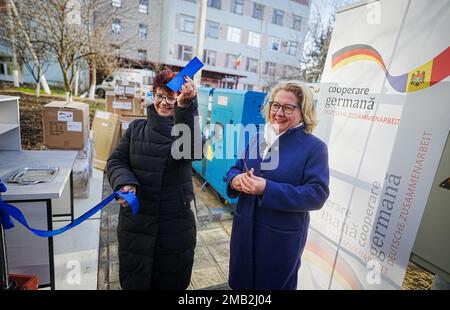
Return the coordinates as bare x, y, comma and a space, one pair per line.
41, 204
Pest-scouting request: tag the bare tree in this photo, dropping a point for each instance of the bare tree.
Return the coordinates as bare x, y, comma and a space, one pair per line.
29, 54
68, 31
315, 56
100, 54
11, 37
36, 66
19, 39
46, 24
318, 38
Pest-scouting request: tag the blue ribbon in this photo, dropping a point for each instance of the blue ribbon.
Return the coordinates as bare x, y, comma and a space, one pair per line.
190, 69
7, 211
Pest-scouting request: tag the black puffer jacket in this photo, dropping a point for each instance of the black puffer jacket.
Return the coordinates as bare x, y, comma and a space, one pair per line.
156, 247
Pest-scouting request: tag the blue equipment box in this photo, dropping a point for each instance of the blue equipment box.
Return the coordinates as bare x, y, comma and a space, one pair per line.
225, 118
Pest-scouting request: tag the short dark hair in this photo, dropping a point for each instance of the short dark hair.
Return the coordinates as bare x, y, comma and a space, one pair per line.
161, 79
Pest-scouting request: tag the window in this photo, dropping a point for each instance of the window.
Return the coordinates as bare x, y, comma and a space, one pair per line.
274, 44
269, 68
143, 6
212, 29
277, 17
142, 33
289, 71
2, 68
254, 39
234, 34
215, 4
252, 65
116, 26
232, 61
248, 86
209, 57
237, 6
258, 11
187, 23
142, 55
184, 52
304, 2
292, 48
297, 23
116, 3
228, 85
9, 68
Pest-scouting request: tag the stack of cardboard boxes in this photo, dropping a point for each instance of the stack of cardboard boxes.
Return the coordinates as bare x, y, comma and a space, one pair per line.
66, 126
123, 106
126, 100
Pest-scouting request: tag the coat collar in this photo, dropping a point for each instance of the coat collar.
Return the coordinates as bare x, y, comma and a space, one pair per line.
161, 124
270, 136
264, 143
297, 128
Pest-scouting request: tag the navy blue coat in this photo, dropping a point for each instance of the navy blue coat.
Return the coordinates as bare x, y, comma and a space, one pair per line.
269, 231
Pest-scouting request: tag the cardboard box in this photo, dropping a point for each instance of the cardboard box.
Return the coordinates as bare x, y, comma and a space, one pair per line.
123, 105
66, 125
126, 88
119, 91
106, 134
131, 91
127, 83
125, 121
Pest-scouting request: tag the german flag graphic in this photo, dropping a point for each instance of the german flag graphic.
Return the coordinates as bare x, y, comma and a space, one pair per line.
416, 79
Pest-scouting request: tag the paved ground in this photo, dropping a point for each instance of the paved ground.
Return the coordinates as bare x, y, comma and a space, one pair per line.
211, 254
212, 251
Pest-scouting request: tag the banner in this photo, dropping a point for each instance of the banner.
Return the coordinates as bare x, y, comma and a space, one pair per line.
384, 112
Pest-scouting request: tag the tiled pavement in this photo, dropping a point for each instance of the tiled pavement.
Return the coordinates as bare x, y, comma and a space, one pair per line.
210, 270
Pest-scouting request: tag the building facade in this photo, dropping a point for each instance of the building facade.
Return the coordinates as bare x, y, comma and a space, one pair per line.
248, 43
135, 28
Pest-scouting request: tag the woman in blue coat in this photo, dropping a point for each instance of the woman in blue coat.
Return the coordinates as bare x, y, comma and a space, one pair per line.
284, 174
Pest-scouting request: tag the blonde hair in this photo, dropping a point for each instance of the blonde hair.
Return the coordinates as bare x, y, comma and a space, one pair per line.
305, 102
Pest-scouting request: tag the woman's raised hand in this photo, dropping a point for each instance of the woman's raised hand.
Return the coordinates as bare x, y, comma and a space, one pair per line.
188, 91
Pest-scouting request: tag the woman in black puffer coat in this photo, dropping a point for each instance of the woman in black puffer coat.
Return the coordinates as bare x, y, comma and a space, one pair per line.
156, 247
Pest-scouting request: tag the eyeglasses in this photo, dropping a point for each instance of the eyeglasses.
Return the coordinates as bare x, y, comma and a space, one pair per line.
169, 100
286, 108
